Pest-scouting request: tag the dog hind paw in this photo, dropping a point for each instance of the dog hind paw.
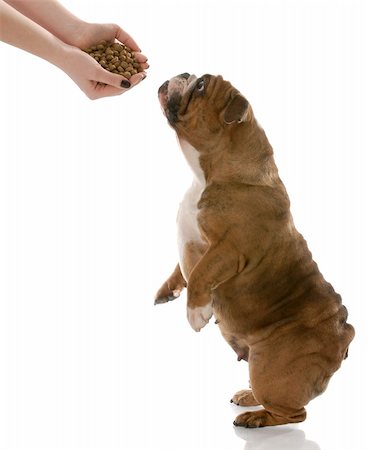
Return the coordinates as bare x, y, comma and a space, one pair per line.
244, 398
251, 419
264, 418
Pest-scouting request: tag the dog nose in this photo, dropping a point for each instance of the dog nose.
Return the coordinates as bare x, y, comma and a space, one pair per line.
185, 75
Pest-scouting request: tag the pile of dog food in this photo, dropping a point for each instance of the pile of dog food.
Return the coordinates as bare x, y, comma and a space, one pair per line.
116, 58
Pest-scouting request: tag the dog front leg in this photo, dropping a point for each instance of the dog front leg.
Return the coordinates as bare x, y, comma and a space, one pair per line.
172, 287
220, 263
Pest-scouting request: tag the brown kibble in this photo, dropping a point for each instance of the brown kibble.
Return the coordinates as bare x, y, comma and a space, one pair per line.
116, 58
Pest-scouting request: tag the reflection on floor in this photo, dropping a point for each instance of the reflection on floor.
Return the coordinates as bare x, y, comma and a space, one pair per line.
275, 438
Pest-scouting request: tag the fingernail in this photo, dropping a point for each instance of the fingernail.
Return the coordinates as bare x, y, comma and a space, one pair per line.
143, 76
125, 84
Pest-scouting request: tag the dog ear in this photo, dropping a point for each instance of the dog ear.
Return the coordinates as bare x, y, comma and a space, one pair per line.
236, 109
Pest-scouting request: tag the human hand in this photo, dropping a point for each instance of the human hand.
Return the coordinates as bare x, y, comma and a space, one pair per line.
57, 36
87, 34
92, 79
95, 81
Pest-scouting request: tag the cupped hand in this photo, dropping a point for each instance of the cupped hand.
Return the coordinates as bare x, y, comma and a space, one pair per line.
89, 34
92, 79
95, 81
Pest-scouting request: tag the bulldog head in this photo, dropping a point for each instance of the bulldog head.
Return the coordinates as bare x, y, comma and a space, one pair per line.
215, 126
203, 106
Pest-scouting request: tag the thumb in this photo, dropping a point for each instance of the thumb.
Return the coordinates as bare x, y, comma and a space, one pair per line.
112, 79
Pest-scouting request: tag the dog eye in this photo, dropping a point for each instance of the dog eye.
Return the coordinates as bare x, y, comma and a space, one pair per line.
200, 86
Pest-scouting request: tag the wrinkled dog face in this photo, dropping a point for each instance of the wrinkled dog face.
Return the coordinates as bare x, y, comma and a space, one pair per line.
198, 108
171, 94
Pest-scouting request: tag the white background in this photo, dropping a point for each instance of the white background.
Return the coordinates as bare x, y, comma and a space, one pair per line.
88, 199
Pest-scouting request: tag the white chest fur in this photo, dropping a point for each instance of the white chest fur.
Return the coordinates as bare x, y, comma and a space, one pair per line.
188, 230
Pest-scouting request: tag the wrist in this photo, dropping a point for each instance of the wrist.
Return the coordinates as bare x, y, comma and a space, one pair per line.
62, 55
73, 34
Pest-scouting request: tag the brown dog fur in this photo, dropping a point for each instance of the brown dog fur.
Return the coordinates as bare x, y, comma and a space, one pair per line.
251, 265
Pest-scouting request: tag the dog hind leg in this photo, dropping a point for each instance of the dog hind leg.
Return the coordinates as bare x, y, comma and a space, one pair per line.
264, 418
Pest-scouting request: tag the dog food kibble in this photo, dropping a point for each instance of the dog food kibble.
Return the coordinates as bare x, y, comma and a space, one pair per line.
116, 58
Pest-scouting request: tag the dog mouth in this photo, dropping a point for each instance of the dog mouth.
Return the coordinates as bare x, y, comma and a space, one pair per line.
173, 95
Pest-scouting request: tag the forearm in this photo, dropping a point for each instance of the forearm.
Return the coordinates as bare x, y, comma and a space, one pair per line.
51, 16
48, 30
21, 32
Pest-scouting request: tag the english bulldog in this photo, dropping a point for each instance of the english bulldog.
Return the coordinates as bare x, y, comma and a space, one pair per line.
242, 259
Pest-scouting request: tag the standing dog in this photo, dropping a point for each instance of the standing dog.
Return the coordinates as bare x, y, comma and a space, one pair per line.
242, 259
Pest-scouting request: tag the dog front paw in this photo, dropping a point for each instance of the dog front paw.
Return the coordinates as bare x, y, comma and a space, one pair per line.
199, 316
165, 294
173, 295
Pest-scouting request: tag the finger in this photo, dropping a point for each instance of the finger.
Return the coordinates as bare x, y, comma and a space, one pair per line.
126, 39
137, 78
145, 66
141, 59
112, 79
101, 90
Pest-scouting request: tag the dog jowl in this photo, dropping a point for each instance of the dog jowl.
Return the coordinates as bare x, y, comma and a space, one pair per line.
242, 259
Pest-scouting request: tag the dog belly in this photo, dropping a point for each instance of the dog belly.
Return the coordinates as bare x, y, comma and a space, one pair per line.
238, 344
231, 334
190, 243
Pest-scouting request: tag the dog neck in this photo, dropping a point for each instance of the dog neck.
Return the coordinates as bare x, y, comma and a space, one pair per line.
245, 157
